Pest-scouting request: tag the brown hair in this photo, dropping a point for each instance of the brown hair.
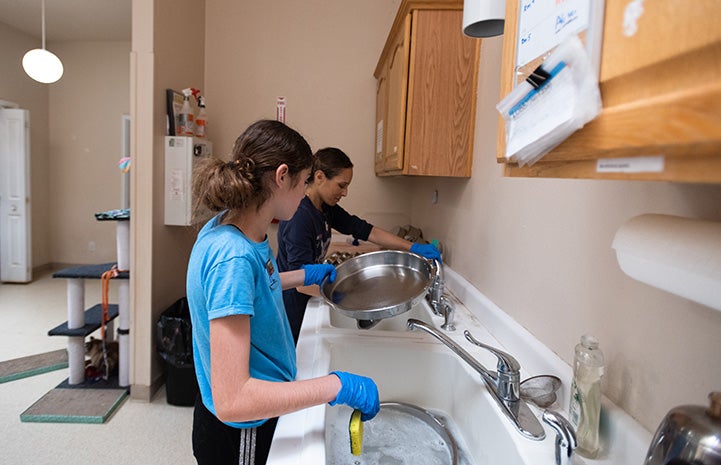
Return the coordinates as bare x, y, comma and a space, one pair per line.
331, 161
244, 181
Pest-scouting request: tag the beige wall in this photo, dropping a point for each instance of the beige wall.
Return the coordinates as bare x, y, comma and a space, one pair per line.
167, 52
16, 86
85, 109
318, 54
75, 143
541, 250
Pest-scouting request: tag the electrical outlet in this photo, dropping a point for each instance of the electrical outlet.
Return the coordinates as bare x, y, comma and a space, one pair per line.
91, 246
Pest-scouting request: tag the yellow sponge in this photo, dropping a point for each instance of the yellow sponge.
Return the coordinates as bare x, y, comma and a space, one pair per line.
355, 428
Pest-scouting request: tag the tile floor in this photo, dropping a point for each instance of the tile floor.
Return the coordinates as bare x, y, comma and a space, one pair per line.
139, 433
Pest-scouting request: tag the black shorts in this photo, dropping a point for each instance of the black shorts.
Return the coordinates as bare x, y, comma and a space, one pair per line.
215, 443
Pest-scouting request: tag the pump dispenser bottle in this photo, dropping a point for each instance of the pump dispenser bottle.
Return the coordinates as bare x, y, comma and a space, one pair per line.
585, 408
185, 116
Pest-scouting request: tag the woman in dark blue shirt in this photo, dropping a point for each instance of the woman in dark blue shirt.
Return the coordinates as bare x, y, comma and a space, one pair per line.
306, 237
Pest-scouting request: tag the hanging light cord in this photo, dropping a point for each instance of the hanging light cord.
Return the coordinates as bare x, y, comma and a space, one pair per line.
42, 6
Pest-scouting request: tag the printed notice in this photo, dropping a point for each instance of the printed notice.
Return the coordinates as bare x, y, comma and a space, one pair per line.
631, 165
543, 24
176, 189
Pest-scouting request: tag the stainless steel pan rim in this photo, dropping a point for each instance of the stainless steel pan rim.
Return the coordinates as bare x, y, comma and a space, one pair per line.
379, 285
431, 419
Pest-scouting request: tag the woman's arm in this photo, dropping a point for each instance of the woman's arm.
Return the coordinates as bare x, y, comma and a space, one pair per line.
388, 240
237, 396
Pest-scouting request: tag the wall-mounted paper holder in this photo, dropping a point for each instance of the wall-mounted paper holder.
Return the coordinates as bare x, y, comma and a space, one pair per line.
677, 255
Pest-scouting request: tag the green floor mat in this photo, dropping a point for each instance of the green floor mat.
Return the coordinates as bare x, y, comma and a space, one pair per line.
63, 405
33, 365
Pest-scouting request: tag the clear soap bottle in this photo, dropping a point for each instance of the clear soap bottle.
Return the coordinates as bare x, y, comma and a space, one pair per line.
585, 408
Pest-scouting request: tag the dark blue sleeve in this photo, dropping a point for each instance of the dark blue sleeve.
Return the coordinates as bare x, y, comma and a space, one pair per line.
296, 242
345, 223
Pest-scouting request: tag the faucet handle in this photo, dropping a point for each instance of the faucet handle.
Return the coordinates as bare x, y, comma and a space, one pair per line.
566, 441
506, 362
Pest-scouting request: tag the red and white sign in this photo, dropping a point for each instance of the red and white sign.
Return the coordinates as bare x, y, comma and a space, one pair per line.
280, 109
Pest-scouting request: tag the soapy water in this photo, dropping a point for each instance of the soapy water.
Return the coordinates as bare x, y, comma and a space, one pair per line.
393, 437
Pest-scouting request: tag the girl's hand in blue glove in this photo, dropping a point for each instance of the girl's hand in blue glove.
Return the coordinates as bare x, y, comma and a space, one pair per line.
358, 392
426, 250
314, 274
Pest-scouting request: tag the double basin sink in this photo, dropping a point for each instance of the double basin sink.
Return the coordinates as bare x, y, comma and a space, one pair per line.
409, 367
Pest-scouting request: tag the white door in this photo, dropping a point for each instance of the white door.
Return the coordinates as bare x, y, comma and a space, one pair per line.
15, 243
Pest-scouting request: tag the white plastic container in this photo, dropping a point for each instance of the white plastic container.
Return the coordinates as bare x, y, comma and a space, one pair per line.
585, 406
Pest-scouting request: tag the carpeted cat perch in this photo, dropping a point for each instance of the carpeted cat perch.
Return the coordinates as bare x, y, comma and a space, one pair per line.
72, 403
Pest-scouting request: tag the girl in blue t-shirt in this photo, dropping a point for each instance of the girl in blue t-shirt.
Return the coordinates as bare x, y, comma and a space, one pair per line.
306, 237
243, 349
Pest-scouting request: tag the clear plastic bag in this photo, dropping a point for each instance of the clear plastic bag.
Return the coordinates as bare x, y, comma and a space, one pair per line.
541, 113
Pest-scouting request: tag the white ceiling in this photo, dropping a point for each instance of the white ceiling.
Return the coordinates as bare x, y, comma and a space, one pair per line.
70, 20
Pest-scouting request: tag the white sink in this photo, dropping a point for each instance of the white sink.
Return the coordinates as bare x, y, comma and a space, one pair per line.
410, 367
429, 376
413, 368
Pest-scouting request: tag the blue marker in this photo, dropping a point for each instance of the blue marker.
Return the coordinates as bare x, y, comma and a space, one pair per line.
531, 93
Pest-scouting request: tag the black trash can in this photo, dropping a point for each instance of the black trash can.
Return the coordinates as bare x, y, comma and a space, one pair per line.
175, 347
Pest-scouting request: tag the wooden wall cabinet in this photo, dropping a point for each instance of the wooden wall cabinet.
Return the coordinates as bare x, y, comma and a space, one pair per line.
661, 92
427, 79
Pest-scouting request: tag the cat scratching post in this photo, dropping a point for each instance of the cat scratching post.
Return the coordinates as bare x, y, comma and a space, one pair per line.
76, 320
123, 251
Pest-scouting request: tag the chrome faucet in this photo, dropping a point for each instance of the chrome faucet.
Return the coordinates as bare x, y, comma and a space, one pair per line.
566, 441
503, 385
448, 310
439, 302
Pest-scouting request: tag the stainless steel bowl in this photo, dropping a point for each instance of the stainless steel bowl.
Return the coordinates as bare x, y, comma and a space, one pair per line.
379, 285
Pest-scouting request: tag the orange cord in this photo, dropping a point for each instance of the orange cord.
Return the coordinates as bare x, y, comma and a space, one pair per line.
105, 281
105, 278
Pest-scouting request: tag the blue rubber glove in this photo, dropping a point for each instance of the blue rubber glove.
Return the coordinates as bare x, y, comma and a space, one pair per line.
314, 274
358, 392
426, 250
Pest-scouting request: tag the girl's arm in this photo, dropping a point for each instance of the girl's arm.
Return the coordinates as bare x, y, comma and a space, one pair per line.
295, 279
291, 279
237, 396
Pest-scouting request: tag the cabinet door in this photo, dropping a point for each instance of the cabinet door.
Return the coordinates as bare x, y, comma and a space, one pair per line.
381, 114
394, 133
441, 95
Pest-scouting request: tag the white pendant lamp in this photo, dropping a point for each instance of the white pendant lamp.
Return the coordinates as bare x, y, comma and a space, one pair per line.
483, 18
41, 65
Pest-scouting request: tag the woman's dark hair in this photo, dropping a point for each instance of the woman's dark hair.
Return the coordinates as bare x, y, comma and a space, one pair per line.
331, 161
244, 180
